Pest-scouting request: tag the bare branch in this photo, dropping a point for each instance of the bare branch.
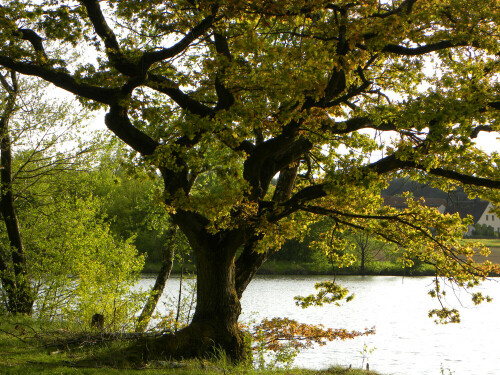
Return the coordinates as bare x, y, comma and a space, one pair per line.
225, 97
149, 58
102, 29
184, 101
118, 122
481, 128
354, 124
422, 50
405, 6
392, 163
63, 80
35, 40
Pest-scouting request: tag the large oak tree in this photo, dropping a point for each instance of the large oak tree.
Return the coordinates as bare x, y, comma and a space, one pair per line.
222, 97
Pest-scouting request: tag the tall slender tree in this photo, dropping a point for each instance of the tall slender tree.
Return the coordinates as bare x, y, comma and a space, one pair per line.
241, 92
13, 265
32, 129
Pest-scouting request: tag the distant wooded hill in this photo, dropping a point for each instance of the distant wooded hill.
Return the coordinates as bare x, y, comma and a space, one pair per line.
401, 185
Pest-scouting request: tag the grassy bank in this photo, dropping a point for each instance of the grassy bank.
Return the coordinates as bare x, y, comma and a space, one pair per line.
378, 267
382, 268
31, 347
490, 242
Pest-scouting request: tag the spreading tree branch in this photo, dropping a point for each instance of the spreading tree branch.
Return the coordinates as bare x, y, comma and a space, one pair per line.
406, 6
170, 88
422, 50
119, 123
149, 58
63, 80
225, 97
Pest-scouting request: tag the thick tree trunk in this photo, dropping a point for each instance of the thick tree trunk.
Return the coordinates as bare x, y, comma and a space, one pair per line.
218, 306
220, 285
161, 280
15, 277
214, 327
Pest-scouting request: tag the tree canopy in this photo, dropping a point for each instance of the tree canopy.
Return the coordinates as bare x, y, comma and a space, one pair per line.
331, 98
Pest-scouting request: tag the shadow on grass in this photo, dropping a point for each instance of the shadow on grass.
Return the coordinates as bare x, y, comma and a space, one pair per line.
28, 346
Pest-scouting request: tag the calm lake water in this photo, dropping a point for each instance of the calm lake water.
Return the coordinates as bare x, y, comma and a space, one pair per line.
407, 342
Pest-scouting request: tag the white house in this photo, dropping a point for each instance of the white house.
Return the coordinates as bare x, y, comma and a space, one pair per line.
481, 212
490, 218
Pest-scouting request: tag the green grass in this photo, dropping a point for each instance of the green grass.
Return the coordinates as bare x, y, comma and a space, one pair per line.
29, 346
489, 242
373, 268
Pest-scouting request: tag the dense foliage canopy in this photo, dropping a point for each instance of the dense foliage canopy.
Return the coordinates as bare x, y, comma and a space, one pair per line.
330, 98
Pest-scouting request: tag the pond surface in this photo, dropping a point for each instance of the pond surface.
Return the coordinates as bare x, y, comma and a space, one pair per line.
407, 342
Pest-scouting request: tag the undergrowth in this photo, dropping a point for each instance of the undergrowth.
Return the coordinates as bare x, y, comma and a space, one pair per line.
29, 346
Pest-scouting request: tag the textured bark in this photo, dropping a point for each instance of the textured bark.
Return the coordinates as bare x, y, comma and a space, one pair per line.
161, 280
14, 278
248, 264
220, 285
215, 322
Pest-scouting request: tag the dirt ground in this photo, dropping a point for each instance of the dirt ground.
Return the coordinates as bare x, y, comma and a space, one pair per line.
494, 257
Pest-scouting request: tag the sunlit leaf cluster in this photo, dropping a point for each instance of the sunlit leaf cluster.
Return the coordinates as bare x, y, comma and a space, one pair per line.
264, 116
278, 332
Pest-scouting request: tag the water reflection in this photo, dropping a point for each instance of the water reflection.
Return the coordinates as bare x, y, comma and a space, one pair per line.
407, 341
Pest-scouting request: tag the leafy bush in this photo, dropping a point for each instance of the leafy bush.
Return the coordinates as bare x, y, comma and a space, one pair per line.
79, 268
483, 231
